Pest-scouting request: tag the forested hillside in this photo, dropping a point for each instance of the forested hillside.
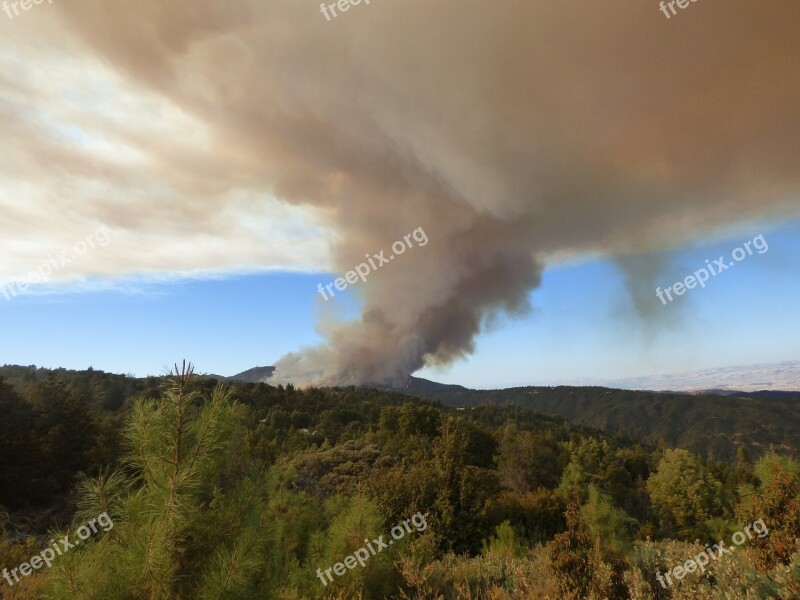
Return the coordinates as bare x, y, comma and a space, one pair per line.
209, 490
711, 425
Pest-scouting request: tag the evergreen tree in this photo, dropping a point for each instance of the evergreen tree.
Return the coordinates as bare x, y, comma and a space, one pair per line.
186, 522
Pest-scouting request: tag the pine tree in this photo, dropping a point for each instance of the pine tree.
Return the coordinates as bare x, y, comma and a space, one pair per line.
187, 523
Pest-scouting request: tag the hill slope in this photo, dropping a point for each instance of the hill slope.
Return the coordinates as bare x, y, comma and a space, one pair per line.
707, 424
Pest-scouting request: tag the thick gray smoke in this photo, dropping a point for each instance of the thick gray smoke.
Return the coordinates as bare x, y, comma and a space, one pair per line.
512, 132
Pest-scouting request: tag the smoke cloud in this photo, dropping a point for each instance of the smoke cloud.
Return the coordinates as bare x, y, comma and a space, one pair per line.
513, 132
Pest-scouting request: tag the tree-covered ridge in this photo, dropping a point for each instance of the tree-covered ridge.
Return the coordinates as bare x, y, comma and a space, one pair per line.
711, 425
245, 491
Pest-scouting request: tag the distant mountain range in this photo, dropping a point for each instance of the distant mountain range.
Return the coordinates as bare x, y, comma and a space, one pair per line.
783, 376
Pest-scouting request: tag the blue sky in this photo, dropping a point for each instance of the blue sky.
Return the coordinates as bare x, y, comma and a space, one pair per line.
582, 327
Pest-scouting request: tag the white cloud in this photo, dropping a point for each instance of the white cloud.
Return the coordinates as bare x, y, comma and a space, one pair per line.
84, 148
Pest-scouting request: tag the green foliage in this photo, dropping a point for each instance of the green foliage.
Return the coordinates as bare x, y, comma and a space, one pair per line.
176, 454
504, 542
733, 577
776, 503
536, 516
50, 437
574, 481
494, 576
528, 461
685, 495
340, 469
586, 567
607, 523
245, 491
353, 523
711, 426
18, 486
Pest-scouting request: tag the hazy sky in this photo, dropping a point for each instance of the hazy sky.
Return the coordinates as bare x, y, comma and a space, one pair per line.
184, 174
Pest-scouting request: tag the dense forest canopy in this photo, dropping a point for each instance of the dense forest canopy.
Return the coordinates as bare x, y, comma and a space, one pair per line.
205, 489
711, 425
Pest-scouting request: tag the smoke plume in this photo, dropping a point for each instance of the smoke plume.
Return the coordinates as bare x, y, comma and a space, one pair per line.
513, 132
